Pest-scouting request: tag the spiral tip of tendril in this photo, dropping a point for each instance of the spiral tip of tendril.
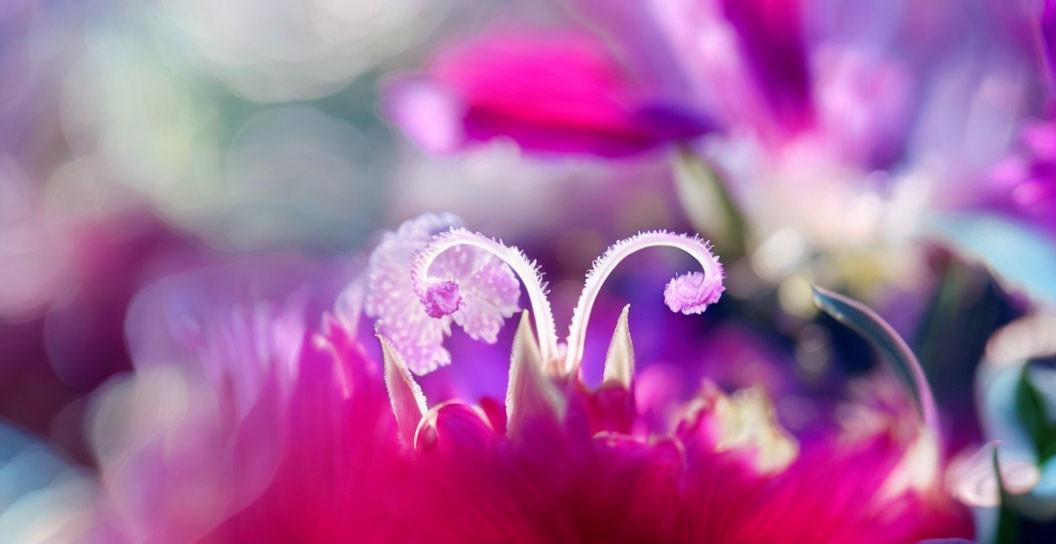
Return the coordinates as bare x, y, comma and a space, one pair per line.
692, 293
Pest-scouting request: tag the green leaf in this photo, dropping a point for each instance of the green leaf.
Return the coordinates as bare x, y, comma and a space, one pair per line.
1032, 413
709, 205
1007, 530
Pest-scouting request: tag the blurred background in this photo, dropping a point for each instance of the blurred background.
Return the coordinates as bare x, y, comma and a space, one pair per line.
138, 140
897, 151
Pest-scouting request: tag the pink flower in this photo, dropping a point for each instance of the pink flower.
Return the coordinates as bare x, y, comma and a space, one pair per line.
562, 460
280, 430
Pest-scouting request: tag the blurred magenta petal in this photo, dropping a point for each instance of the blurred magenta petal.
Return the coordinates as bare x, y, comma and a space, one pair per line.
222, 356
252, 418
771, 37
1023, 185
342, 462
745, 63
198, 431
548, 90
240, 326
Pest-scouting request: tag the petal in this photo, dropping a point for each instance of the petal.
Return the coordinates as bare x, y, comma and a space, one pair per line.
771, 38
550, 91
239, 325
1022, 257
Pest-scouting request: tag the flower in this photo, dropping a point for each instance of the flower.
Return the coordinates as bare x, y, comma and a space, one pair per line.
278, 429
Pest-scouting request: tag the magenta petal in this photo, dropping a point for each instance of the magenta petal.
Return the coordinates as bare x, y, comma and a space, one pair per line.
1023, 185
548, 91
771, 38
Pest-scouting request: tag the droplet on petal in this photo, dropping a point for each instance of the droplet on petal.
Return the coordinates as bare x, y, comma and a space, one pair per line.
691, 293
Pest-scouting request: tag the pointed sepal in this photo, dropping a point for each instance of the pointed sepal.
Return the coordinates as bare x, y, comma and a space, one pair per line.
406, 397
619, 359
531, 394
869, 324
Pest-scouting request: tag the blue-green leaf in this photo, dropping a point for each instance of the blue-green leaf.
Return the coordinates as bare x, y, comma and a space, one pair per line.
873, 327
1022, 258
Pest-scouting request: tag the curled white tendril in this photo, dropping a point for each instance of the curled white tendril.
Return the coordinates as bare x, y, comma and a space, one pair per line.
441, 298
689, 293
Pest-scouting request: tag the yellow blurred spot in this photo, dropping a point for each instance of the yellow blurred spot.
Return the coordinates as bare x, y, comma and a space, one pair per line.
796, 298
747, 421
